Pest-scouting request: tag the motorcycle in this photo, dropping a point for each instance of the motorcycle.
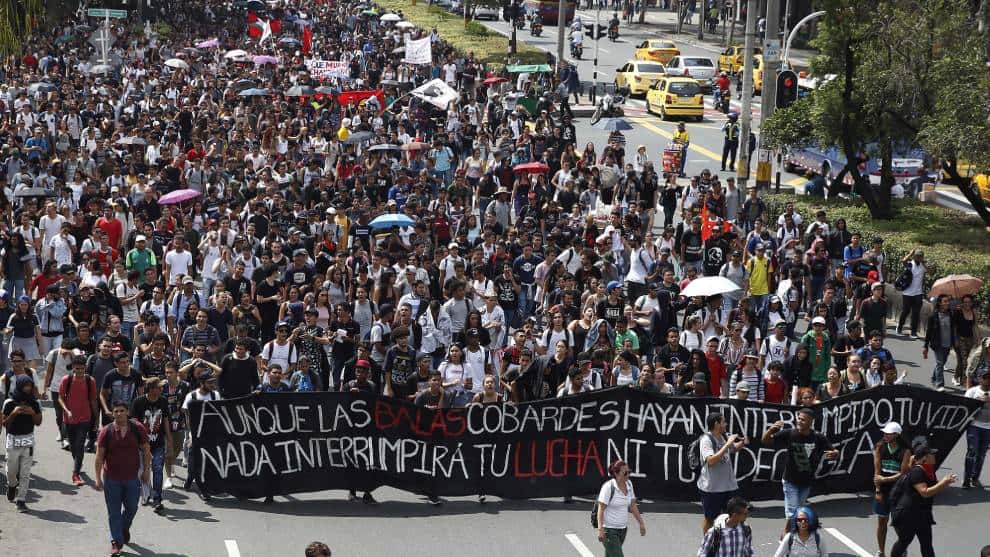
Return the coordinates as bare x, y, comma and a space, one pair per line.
721, 100
613, 33
608, 106
536, 29
576, 50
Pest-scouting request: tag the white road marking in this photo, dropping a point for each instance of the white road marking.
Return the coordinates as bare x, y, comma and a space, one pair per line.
232, 549
848, 543
582, 549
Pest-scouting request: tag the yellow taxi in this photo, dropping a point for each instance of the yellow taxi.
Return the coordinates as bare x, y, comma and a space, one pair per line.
657, 50
676, 96
731, 59
638, 76
758, 74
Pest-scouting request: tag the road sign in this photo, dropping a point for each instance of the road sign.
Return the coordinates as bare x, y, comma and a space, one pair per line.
100, 35
101, 12
771, 51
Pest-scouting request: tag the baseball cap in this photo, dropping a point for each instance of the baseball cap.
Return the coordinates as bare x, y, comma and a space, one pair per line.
141, 238
892, 427
188, 280
743, 386
818, 320
362, 364
298, 251
453, 245
472, 332
761, 245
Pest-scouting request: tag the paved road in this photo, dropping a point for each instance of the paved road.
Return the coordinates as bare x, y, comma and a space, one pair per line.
650, 130
68, 521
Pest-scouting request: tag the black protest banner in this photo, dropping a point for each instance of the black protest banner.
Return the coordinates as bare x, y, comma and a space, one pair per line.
290, 443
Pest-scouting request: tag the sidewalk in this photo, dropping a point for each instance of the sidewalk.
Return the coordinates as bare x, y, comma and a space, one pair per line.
665, 21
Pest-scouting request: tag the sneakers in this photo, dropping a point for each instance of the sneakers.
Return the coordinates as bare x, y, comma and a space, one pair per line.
90, 447
167, 483
967, 484
66, 446
77, 480
955, 382
369, 499
160, 508
881, 554
940, 388
114, 549
352, 498
435, 501
481, 499
976, 483
22, 506
11, 492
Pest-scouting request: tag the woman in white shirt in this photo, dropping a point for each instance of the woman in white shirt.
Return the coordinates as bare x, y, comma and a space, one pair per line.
616, 501
453, 377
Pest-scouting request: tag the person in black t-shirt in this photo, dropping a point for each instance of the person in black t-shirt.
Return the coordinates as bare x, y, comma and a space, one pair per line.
21, 414
805, 449
361, 383
344, 345
238, 371
399, 366
152, 410
433, 397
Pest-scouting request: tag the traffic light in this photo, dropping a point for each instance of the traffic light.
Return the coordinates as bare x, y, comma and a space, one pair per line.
596, 32
787, 88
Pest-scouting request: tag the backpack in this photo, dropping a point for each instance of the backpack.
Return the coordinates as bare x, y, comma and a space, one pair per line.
594, 507
904, 279
695, 461
787, 349
897, 493
89, 387
818, 542
270, 348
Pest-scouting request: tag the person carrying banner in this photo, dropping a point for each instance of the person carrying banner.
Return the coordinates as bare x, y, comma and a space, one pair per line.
616, 501
891, 460
805, 449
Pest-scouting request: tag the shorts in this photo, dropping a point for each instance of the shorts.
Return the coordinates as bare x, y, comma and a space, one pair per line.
795, 496
713, 504
881, 507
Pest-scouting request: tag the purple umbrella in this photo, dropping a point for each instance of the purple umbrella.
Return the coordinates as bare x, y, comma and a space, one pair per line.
211, 43
178, 196
262, 60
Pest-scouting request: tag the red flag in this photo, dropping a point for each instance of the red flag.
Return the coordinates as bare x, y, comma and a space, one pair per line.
357, 96
276, 25
307, 40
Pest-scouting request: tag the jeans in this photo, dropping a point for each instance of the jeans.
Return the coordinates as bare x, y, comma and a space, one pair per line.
208, 284
977, 442
59, 416
76, 434
759, 303
122, 504
963, 347
19, 462
510, 322
729, 149
938, 373
684, 153
14, 287
526, 299
906, 534
614, 538
50, 343
794, 496
910, 305
127, 329
157, 467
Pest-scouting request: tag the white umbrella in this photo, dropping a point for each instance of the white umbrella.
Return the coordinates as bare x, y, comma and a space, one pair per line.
709, 286
404, 25
236, 53
177, 64
390, 17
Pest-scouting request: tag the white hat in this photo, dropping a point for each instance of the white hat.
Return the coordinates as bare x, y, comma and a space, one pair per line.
140, 238
892, 427
818, 320
331, 211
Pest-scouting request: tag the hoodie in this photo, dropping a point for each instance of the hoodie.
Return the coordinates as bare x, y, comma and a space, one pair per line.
20, 430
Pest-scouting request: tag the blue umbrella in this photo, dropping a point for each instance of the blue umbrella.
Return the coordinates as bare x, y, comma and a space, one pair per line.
390, 220
613, 125
253, 92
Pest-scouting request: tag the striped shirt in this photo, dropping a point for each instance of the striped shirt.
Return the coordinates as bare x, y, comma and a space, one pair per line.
734, 542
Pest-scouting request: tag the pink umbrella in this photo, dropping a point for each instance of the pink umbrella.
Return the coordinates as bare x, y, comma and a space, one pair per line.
178, 196
211, 43
262, 60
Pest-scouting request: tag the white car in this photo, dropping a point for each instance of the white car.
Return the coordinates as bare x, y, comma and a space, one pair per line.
698, 68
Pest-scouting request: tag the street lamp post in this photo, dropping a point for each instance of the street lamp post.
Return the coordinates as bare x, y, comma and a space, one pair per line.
746, 118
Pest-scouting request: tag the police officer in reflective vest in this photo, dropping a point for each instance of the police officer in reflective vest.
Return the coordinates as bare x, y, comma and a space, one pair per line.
730, 144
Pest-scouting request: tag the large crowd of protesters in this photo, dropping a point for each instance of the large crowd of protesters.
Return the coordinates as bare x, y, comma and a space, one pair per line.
503, 287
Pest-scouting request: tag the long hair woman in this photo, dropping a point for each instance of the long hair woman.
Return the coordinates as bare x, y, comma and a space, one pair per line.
616, 501
912, 514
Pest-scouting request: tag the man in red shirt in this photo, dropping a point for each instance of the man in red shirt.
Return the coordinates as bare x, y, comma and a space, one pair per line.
77, 397
122, 447
109, 224
718, 382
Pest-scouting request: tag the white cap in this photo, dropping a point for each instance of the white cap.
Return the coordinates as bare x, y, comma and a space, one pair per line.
140, 238
331, 211
818, 320
892, 427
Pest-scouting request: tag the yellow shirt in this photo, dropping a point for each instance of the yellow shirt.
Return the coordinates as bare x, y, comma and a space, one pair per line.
343, 134
682, 136
759, 276
345, 228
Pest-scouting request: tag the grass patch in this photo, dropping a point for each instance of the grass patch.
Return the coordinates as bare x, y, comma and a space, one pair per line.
953, 242
488, 46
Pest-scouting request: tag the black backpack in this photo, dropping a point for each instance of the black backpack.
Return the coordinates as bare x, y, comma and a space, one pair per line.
904, 279
897, 493
695, 462
594, 507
